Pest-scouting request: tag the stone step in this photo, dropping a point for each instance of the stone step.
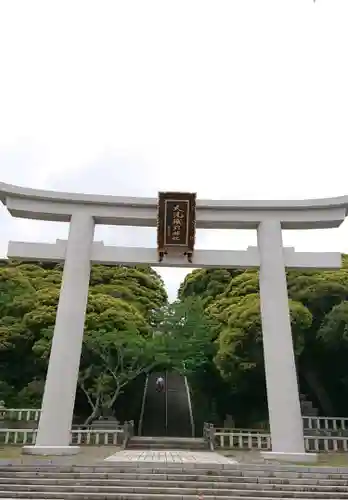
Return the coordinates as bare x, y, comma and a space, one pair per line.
169, 445
154, 479
109, 467
207, 483
178, 469
58, 493
128, 496
166, 443
178, 490
117, 478
173, 482
154, 417
177, 478
161, 446
178, 412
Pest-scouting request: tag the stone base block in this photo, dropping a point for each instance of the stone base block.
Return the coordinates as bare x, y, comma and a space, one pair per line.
290, 457
50, 450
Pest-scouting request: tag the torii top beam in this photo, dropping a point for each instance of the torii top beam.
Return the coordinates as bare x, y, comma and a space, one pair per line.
210, 214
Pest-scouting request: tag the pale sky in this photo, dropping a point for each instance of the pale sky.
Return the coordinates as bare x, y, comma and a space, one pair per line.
231, 99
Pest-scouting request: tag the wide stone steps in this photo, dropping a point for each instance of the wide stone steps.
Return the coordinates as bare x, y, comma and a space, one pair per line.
169, 469
172, 482
148, 496
178, 410
164, 489
110, 485
166, 443
154, 418
141, 496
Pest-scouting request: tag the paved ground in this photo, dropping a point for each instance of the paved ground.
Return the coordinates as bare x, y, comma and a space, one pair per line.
170, 456
88, 455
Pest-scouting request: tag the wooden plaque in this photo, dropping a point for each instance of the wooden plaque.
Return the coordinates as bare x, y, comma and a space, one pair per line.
176, 221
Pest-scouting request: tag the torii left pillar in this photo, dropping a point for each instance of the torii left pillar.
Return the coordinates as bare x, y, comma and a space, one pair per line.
54, 430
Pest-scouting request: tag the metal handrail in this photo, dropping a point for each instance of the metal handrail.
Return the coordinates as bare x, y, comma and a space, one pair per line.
166, 400
190, 407
141, 418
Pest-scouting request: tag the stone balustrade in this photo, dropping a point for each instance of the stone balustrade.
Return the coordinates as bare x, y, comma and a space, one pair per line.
260, 440
20, 414
223, 438
322, 434
309, 422
325, 423
79, 437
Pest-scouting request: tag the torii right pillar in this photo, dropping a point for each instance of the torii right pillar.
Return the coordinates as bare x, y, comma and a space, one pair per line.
282, 387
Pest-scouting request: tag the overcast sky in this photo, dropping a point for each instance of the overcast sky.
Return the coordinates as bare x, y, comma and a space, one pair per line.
231, 99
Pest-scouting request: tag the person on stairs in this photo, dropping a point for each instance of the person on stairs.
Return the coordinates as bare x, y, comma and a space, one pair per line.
160, 384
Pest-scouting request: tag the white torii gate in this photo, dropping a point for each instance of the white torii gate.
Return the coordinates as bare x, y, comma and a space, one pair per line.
79, 251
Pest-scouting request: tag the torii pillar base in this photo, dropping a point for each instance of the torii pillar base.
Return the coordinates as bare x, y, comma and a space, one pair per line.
290, 457
50, 450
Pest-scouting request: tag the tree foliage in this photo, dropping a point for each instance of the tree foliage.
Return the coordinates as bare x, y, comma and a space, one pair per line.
318, 302
187, 333
212, 334
118, 342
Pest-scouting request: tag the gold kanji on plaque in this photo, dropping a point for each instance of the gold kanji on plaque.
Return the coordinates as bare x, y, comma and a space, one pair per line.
176, 223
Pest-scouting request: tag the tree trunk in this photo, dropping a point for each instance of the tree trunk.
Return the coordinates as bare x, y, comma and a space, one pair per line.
112, 401
95, 413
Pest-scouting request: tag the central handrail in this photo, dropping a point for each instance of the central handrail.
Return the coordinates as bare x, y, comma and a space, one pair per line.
188, 392
140, 424
166, 401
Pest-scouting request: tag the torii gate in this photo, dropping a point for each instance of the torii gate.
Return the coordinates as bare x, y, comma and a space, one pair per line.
79, 251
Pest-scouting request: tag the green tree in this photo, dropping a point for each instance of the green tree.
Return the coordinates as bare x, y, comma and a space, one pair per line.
187, 333
110, 361
121, 300
206, 284
317, 306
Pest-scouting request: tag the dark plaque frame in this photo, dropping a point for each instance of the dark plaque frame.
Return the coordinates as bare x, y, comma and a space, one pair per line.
176, 224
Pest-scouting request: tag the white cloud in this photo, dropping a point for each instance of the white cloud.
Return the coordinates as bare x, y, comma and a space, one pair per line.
229, 99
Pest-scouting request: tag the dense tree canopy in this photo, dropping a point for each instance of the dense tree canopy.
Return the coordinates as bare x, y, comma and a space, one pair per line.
187, 334
118, 341
129, 329
212, 333
319, 315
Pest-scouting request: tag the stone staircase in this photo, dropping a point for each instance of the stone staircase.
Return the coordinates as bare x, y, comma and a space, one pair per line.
179, 423
167, 413
166, 443
157, 481
307, 407
154, 419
